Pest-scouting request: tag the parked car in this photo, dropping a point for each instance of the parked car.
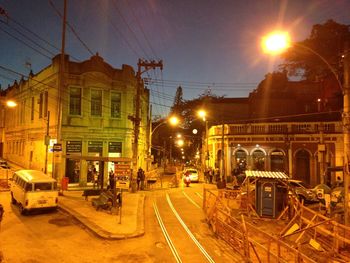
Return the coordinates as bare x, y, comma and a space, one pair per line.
303, 191
337, 196
193, 174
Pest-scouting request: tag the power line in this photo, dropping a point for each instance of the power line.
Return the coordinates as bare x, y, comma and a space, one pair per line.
142, 30
33, 33
28, 38
23, 42
71, 28
129, 28
216, 84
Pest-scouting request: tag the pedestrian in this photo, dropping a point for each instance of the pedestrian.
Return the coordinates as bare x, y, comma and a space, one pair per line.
142, 179
210, 175
206, 175
111, 180
139, 176
217, 175
95, 177
1, 213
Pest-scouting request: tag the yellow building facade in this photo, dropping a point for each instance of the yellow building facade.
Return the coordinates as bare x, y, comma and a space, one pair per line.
303, 150
80, 128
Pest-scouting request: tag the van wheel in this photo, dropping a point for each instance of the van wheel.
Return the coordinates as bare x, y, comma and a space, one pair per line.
13, 200
21, 209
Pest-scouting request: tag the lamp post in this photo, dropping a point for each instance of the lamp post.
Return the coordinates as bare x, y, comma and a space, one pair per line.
275, 43
173, 120
6, 104
202, 114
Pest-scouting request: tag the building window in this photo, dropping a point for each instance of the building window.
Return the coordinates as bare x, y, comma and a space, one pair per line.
32, 110
96, 102
75, 101
41, 100
115, 104
22, 112
46, 103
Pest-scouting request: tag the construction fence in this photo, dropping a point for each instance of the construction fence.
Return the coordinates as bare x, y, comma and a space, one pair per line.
302, 235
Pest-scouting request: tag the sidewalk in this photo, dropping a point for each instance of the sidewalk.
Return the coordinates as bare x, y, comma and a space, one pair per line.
104, 224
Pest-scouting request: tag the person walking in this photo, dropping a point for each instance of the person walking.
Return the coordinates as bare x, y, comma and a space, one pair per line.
95, 177
139, 176
111, 180
210, 175
142, 179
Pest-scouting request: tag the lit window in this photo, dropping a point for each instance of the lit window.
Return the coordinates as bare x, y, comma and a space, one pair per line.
115, 104
75, 101
96, 102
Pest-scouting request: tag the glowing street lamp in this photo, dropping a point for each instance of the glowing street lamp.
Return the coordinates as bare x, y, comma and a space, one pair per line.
276, 42
173, 120
11, 104
180, 142
202, 114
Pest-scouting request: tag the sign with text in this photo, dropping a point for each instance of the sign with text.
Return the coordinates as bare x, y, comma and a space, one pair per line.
73, 146
57, 147
122, 169
95, 146
115, 147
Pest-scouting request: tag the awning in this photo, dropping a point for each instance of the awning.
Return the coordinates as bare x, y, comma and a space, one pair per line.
266, 174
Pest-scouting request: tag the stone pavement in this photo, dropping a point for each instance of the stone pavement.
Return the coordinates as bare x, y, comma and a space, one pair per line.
127, 224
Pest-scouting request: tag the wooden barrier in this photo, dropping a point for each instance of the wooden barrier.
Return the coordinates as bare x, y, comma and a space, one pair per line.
256, 245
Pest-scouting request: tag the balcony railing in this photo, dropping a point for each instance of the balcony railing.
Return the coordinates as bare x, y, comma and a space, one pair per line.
282, 128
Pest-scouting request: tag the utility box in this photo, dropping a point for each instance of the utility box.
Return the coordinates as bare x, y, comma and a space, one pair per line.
271, 197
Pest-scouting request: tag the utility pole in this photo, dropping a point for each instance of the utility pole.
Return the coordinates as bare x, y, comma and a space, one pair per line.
60, 88
346, 132
47, 139
223, 175
146, 65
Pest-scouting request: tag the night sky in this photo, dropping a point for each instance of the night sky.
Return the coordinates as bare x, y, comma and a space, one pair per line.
204, 44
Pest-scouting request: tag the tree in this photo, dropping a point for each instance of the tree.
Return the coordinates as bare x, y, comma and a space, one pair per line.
178, 101
327, 40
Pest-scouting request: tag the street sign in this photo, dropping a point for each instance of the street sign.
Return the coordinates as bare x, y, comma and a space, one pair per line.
122, 169
57, 147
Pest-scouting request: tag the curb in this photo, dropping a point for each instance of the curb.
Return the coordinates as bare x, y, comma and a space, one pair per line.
101, 233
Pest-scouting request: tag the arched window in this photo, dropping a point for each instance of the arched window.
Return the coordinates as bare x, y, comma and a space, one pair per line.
258, 160
277, 161
241, 160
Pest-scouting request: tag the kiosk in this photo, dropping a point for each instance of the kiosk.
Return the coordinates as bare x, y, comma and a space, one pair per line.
271, 194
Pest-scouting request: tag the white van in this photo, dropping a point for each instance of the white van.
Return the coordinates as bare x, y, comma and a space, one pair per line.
32, 189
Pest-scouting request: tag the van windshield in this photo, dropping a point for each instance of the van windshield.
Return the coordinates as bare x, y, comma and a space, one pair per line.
42, 186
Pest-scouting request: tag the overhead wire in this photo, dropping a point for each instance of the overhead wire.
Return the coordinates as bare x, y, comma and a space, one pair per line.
24, 43
33, 33
71, 28
142, 30
129, 28
29, 39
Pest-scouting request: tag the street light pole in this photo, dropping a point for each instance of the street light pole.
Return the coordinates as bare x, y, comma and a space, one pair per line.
206, 145
346, 132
